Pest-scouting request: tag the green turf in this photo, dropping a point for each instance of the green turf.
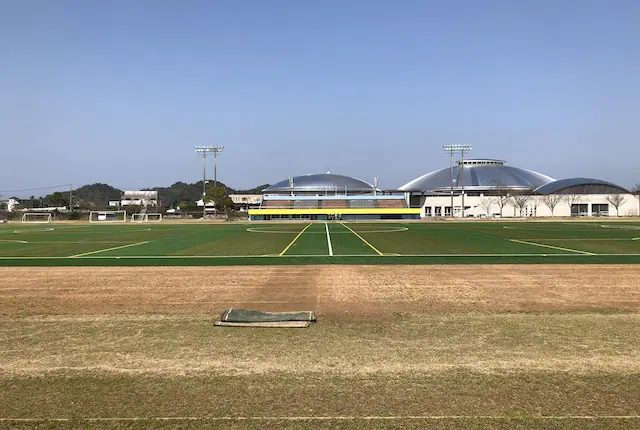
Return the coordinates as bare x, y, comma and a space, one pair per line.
358, 243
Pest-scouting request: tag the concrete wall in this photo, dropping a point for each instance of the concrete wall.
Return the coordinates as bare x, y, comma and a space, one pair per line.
534, 208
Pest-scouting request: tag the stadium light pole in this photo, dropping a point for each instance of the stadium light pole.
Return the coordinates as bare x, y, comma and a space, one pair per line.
215, 150
457, 149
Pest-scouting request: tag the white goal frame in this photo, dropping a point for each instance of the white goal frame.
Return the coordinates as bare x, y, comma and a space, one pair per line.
146, 217
41, 217
118, 217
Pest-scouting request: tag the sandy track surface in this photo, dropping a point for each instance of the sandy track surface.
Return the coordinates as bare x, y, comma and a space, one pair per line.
344, 292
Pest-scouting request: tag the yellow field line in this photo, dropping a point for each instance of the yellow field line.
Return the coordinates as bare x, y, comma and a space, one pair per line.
108, 249
552, 247
361, 238
294, 239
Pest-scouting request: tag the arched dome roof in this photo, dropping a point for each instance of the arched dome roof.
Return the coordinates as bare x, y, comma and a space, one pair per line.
580, 186
323, 182
479, 175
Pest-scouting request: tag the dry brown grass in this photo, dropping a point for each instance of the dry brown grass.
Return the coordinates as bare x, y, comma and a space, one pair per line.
334, 292
509, 341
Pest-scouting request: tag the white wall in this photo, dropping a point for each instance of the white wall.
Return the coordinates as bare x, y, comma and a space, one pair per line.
629, 207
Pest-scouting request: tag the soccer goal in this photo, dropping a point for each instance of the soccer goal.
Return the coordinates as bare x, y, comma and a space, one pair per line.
146, 217
37, 217
107, 216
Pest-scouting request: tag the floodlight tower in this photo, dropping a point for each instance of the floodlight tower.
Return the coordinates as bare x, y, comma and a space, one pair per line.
204, 150
457, 149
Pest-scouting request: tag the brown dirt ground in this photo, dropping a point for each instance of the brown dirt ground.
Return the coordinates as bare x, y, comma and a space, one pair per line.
341, 292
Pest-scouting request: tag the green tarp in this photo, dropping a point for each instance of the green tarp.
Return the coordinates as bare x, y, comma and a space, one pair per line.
239, 315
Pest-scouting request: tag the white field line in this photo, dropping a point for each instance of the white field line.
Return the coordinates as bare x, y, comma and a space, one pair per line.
389, 255
542, 245
335, 418
277, 231
326, 226
108, 249
584, 240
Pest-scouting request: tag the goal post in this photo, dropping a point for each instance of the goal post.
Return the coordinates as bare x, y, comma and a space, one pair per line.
37, 217
107, 216
146, 217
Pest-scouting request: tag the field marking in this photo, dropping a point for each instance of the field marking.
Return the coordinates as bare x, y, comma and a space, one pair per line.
13, 241
294, 239
334, 418
277, 231
552, 247
27, 230
108, 249
362, 239
621, 227
585, 239
326, 226
388, 255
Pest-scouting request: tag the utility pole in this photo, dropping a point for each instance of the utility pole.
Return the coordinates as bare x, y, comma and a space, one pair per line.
456, 149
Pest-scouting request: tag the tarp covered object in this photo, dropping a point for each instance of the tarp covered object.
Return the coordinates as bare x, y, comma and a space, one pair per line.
238, 317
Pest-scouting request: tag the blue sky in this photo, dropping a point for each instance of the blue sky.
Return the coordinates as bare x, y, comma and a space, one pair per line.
121, 91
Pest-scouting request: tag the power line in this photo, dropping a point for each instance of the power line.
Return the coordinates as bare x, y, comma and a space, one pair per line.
36, 189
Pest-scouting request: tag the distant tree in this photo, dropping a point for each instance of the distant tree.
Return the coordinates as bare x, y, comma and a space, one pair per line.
221, 200
57, 199
616, 200
572, 199
131, 209
3, 206
636, 192
256, 190
520, 201
535, 202
551, 201
486, 204
502, 195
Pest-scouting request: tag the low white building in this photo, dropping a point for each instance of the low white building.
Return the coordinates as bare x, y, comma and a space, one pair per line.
136, 198
12, 204
244, 202
493, 189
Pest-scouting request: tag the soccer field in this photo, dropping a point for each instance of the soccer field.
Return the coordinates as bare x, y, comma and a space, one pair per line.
320, 243
402, 341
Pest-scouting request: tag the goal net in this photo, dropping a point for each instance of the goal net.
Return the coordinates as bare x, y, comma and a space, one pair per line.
37, 217
107, 216
146, 217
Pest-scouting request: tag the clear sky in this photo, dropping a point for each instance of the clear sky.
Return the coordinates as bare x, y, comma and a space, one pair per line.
120, 91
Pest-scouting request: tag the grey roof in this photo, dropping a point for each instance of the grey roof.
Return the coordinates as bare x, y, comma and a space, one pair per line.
479, 175
324, 182
556, 186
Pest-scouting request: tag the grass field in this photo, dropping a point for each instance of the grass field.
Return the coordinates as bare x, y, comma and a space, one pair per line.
440, 347
408, 335
319, 243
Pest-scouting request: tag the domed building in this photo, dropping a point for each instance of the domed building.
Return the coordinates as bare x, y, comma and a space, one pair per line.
478, 175
321, 184
491, 188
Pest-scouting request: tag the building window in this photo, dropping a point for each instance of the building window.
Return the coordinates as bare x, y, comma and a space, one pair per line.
579, 209
600, 209
447, 211
438, 211
427, 211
